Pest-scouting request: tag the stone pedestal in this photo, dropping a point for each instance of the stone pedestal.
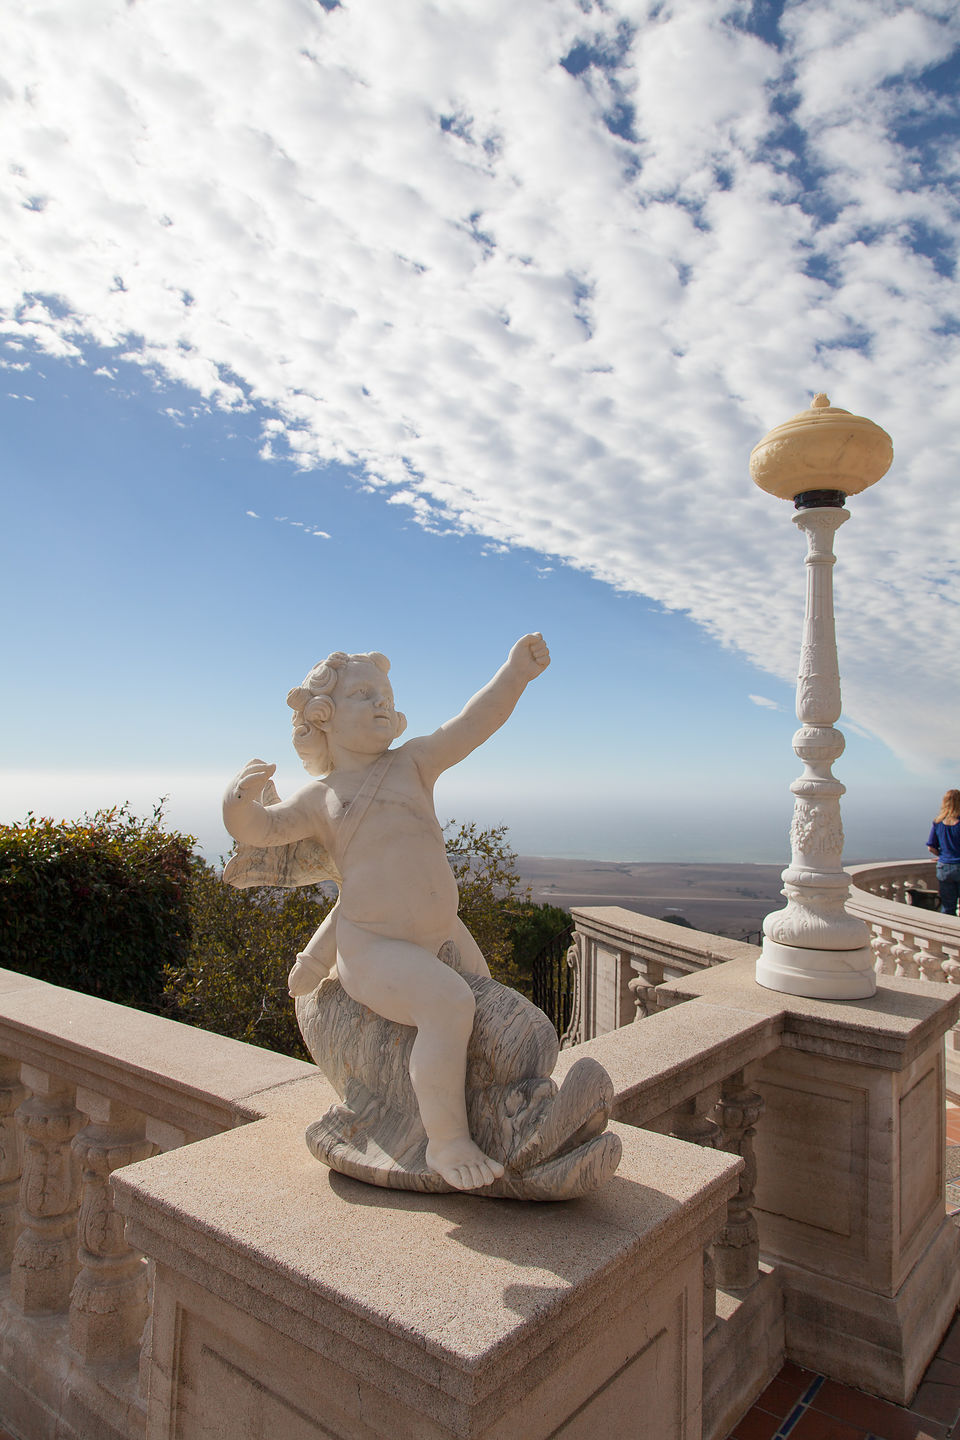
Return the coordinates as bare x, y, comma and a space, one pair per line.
296, 1302
850, 1174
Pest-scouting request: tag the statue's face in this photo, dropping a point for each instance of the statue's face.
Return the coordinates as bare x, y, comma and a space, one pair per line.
364, 717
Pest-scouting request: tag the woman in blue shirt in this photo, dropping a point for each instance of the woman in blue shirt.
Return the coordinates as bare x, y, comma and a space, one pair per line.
944, 842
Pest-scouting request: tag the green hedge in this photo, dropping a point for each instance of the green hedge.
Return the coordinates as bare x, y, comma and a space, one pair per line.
99, 905
118, 907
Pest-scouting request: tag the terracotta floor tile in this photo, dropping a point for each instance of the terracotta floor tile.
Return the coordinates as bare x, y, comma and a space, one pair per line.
943, 1371
792, 1372
783, 1392
937, 1402
755, 1425
924, 1429
877, 1417
950, 1349
814, 1425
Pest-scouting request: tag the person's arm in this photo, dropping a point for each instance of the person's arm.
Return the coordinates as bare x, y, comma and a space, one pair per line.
252, 823
490, 708
933, 842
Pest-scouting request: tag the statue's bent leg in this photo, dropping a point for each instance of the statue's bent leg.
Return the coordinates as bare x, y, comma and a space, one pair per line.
405, 983
472, 959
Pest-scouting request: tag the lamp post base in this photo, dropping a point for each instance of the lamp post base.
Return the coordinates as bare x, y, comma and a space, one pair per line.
818, 974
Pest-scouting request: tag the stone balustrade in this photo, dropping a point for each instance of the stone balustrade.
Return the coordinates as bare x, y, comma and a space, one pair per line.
252, 1292
619, 957
909, 941
891, 879
86, 1088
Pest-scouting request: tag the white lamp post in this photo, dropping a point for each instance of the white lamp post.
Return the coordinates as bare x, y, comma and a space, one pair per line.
812, 946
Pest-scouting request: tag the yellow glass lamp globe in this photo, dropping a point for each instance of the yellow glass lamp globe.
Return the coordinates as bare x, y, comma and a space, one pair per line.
823, 448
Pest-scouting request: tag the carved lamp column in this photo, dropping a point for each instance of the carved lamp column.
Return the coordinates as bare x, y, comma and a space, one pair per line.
813, 947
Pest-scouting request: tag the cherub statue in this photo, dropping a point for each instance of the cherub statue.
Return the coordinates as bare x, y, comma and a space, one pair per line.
368, 821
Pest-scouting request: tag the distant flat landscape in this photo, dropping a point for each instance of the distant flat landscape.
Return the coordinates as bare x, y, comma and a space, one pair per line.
729, 900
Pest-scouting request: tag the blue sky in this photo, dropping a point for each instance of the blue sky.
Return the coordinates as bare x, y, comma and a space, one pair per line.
326, 328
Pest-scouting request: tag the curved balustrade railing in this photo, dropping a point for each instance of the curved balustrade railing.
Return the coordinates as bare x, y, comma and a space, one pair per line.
908, 940
618, 958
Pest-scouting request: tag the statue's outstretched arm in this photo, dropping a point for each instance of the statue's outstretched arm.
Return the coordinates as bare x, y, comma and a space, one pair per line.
484, 714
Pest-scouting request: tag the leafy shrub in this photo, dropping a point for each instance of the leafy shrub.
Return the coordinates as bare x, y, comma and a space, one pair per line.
243, 944
116, 906
99, 905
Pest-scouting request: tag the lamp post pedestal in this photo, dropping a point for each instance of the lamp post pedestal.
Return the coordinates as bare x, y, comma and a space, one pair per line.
812, 946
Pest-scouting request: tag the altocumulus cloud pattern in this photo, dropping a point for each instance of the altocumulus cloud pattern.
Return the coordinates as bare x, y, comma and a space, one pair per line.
544, 272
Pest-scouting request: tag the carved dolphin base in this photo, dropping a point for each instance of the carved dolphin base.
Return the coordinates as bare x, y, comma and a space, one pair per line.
552, 1142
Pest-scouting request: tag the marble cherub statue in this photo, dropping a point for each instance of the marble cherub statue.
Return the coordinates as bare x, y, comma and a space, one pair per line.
394, 941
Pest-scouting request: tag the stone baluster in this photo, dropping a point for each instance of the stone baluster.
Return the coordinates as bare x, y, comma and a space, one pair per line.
108, 1303
688, 1123
951, 964
709, 1293
45, 1255
146, 1339
11, 1094
644, 1001
737, 1250
905, 965
929, 957
882, 946
576, 959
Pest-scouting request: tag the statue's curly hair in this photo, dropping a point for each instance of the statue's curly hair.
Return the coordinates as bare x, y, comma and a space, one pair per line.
313, 705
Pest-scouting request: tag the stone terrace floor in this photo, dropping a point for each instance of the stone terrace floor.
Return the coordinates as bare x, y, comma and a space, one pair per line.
802, 1405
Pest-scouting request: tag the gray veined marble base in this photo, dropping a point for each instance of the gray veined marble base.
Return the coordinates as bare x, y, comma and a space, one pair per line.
552, 1141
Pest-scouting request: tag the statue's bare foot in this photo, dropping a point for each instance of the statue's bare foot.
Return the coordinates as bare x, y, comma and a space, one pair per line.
463, 1165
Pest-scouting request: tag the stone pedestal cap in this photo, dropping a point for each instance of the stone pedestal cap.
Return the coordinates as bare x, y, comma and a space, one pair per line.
823, 448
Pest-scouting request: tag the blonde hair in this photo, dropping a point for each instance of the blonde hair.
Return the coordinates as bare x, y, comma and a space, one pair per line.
313, 706
949, 812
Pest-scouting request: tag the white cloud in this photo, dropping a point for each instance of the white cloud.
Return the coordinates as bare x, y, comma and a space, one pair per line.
764, 703
557, 309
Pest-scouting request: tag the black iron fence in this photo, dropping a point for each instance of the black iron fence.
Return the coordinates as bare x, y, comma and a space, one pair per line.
553, 980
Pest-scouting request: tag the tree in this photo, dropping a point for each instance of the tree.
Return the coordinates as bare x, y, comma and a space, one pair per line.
485, 869
532, 929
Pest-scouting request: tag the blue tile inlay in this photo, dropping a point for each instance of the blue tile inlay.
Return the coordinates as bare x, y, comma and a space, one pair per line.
800, 1408
807, 1397
791, 1420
